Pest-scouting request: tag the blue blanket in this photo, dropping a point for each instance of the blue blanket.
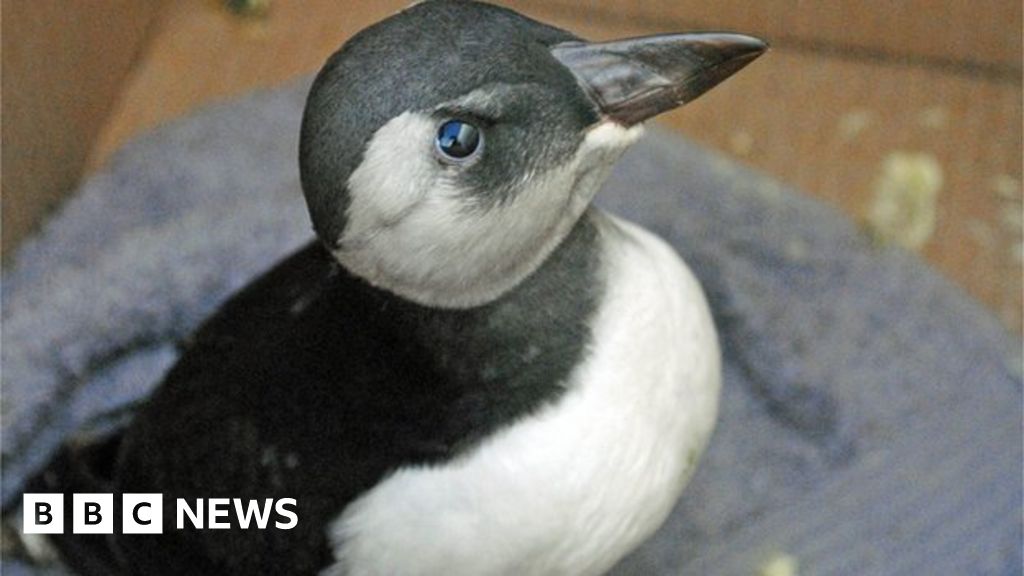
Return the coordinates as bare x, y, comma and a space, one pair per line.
871, 416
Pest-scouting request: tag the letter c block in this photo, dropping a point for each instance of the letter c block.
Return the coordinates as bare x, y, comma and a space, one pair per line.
142, 514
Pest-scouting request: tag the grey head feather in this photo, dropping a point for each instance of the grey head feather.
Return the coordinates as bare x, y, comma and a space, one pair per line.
426, 59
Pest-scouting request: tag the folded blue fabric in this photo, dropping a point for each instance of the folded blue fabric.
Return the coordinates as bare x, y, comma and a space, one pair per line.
871, 416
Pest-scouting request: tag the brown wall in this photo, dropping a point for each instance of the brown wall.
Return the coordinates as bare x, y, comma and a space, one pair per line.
982, 33
63, 67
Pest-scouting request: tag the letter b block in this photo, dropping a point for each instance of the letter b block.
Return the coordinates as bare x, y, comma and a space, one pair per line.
93, 514
43, 513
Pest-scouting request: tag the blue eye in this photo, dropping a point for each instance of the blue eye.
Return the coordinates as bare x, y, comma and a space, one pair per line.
458, 140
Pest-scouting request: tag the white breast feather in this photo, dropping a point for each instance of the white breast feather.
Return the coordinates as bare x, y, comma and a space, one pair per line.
573, 488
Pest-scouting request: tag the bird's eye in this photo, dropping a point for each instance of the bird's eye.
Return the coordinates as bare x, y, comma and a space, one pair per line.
458, 140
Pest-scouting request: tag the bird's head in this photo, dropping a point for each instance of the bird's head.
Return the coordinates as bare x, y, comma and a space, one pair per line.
447, 150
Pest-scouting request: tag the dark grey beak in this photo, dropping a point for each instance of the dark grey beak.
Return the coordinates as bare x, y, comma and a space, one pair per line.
634, 79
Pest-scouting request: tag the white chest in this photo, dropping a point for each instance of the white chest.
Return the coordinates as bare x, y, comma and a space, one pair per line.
576, 486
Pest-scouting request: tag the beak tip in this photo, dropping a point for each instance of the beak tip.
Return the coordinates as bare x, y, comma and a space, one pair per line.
731, 46
757, 47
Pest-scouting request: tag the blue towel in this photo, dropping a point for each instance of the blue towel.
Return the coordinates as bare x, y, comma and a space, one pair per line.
871, 413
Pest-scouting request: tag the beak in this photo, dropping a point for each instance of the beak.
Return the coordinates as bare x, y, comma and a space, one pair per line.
634, 79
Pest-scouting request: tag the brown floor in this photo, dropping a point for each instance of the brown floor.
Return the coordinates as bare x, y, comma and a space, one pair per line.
846, 86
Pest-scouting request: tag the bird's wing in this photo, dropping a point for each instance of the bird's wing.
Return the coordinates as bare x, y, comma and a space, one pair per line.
311, 384
294, 389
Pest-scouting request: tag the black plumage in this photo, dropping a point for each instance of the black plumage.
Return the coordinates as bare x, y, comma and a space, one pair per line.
311, 384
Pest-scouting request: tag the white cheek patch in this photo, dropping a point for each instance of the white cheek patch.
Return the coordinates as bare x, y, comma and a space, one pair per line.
601, 148
395, 175
409, 230
612, 136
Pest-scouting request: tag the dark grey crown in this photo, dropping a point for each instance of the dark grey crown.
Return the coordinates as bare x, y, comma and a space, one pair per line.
427, 55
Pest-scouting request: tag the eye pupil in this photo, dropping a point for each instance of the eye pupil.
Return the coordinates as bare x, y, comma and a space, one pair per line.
457, 139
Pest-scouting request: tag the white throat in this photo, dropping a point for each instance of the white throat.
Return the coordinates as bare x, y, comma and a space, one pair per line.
410, 231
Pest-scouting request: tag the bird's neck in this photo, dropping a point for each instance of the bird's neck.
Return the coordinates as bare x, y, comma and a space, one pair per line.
455, 273
469, 371
518, 349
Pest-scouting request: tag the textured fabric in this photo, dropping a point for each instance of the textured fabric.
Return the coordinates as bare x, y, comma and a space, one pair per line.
871, 414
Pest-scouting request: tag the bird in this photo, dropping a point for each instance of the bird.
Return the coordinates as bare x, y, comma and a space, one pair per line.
470, 369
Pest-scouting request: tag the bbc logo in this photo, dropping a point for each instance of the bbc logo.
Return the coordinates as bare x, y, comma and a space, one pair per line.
93, 513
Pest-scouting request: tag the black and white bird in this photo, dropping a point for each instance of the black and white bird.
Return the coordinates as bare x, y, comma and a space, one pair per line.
471, 371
